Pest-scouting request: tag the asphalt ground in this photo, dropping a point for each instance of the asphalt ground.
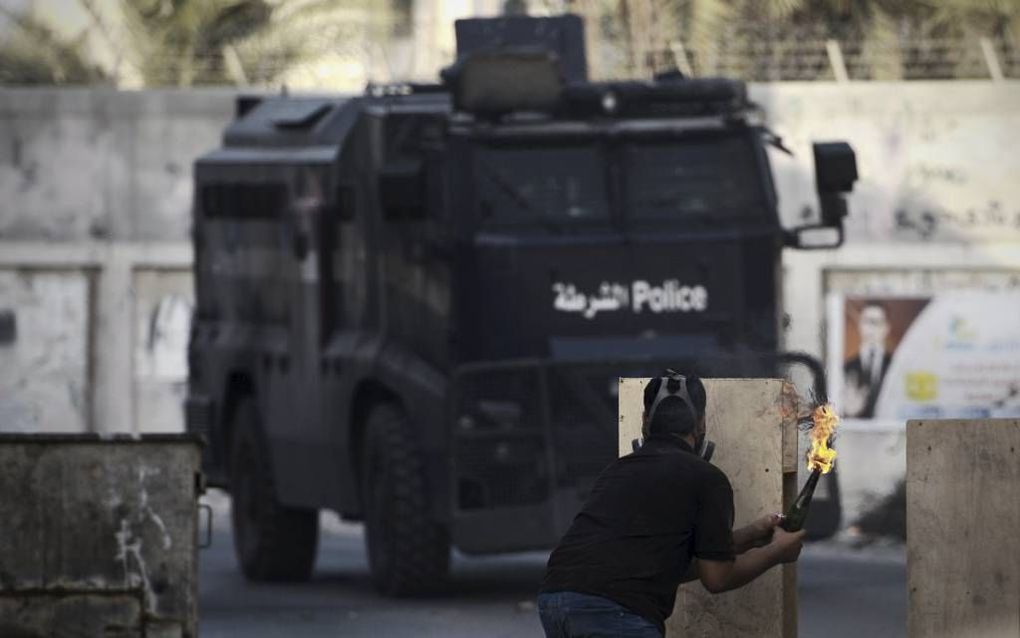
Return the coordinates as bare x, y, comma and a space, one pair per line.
843, 592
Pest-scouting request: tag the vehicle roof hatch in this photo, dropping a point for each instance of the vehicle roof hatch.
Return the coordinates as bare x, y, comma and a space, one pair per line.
297, 114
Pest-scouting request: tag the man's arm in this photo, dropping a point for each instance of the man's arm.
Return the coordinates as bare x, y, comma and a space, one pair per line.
720, 576
756, 534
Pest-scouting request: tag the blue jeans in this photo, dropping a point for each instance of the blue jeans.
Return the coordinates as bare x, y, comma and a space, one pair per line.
567, 614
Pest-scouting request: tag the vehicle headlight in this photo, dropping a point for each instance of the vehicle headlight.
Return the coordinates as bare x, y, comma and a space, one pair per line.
609, 102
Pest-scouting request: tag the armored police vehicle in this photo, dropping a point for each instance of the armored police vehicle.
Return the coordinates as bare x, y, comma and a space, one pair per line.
413, 305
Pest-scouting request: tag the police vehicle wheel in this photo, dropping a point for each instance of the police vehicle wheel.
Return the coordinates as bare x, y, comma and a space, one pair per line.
408, 551
272, 542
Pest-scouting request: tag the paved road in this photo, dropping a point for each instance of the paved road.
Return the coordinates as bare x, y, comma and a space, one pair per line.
842, 594
846, 593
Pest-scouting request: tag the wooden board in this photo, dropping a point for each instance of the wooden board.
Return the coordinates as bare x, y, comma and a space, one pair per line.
963, 528
753, 424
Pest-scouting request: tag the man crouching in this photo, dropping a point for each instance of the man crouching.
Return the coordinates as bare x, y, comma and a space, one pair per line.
654, 519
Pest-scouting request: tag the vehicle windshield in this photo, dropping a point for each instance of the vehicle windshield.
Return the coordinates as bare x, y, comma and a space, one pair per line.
707, 180
535, 186
701, 179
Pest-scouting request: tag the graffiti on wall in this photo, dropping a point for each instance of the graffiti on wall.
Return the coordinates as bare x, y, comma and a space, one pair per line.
165, 340
936, 164
164, 304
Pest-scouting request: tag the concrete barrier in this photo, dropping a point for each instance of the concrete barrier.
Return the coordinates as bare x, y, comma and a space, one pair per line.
753, 423
963, 517
98, 537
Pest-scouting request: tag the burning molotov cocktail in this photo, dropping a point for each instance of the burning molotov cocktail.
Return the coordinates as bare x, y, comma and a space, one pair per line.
819, 461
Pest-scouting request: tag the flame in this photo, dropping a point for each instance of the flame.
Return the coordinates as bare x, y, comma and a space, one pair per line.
820, 457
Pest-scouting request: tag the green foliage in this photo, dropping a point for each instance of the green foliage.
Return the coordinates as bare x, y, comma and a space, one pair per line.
193, 42
186, 42
31, 53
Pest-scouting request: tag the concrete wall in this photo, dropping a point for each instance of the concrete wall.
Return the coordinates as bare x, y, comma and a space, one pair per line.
80, 164
753, 423
44, 364
963, 510
95, 257
96, 191
936, 159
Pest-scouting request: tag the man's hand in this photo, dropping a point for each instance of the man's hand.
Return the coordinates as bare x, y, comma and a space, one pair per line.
787, 544
756, 534
764, 525
720, 576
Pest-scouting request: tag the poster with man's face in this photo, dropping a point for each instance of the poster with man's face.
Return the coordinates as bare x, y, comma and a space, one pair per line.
873, 328
949, 355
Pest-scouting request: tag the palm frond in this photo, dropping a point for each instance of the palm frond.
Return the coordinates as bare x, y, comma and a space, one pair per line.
33, 53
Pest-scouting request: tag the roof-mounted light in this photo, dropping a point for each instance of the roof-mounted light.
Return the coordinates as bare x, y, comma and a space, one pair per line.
500, 81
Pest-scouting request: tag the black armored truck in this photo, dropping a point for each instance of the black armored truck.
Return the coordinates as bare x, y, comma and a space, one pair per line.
413, 305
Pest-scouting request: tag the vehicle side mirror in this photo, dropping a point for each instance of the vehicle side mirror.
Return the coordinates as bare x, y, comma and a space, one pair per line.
835, 174
402, 190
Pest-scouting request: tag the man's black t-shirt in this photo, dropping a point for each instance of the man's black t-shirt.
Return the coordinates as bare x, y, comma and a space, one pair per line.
648, 514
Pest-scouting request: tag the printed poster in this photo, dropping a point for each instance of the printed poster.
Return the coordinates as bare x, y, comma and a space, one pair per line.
947, 355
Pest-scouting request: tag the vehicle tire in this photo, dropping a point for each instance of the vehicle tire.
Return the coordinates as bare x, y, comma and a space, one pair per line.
408, 550
272, 542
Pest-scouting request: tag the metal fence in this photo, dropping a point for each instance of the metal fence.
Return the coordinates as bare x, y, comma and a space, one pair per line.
813, 55
345, 50
810, 56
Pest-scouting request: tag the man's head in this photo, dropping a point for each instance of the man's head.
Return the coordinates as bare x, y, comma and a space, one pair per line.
673, 417
873, 324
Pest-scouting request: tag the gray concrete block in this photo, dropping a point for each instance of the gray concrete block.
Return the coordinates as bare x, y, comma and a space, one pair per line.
963, 513
58, 615
85, 520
